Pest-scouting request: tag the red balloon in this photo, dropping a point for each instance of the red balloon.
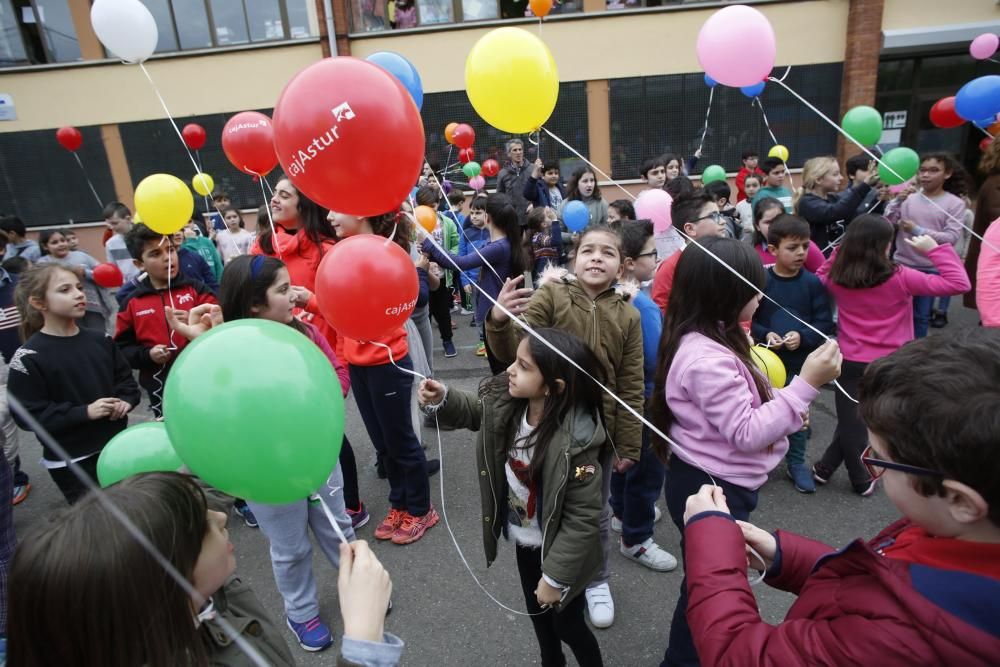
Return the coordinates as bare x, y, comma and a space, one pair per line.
248, 141
376, 308
108, 275
194, 136
490, 167
69, 138
466, 155
463, 136
349, 136
943, 113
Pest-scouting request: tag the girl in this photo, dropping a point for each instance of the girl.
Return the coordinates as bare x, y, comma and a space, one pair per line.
764, 213
73, 380
744, 209
938, 212
987, 210
875, 317
582, 186
620, 211
820, 202
55, 248
504, 253
540, 438
442, 299
588, 305
383, 393
81, 587
234, 240
546, 239
709, 397
675, 166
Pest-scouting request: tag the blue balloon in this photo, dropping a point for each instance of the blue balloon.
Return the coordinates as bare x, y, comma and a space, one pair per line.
985, 122
402, 69
576, 216
979, 98
753, 91
710, 82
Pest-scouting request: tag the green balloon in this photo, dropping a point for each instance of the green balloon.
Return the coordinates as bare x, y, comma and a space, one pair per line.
903, 161
267, 427
863, 124
140, 448
713, 173
471, 169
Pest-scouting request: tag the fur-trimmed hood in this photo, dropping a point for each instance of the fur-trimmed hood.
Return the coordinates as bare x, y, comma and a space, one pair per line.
626, 289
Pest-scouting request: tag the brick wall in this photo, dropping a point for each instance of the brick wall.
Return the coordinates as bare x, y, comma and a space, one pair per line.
861, 55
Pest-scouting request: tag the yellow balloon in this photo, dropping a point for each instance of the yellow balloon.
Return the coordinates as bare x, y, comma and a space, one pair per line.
203, 184
164, 202
136, 218
770, 365
779, 152
511, 80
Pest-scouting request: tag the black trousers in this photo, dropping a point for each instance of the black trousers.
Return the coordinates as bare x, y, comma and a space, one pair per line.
553, 628
851, 437
349, 466
440, 305
72, 488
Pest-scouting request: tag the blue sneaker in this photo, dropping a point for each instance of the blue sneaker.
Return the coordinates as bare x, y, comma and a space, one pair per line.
449, 349
802, 477
243, 510
313, 635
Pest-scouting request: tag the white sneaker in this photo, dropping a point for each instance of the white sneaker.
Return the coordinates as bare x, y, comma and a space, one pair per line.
600, 606
657, 514
650, 554
616, 523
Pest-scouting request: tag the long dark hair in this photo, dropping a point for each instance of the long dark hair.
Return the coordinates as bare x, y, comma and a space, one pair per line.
861, 260
762, 206
958, 183
312, 221
244, 285
501, 214
45, 236
706, 299
578, 389
573, 185
383, 225
83, 590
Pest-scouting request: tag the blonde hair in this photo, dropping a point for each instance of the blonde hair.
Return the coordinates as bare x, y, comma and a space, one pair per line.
989, 163
34, 283
813, 171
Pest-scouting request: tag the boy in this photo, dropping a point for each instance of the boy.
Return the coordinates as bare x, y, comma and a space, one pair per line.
859, 168
192, 240
142, 332
119, 220
634, 492
543, 187
802, 293
441, 299
18, 244
654, 172
474, 236
749, 168
774, 183
721, 193
74, 243
923, 592
220, 202
695, 216
456, 203
744, 210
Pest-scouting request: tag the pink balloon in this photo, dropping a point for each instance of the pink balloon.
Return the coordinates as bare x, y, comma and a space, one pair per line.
723, 49
477, 182
654, 204
984, 46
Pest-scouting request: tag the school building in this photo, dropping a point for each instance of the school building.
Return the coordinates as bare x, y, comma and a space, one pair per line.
631, 86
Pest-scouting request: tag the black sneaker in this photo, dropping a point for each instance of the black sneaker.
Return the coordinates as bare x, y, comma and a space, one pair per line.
939, 320
380, 468
821, 473
433, 467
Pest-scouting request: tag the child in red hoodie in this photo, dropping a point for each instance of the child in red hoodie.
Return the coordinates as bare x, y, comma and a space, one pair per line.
926, 591
749, 167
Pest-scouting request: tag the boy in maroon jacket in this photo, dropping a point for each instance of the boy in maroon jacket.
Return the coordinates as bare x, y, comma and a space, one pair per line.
926, 591
142, 331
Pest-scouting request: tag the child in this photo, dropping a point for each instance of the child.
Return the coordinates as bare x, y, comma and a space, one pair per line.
987, 278
801, 292
654, 172
81, 592
546, 239
119, 221
744, 209
695, 216
721, 193
202, 247
670, 241
774, 183
874, 317
193, 265
234, 240
634, 493
446, 234
74, 243
675, 167
582, 186
456, 204
18, 245
220, 202
618, 211
938, 213
749, 168
100, 304
820, 203
766, 211
922, 592
141, 331
74, 381
859, 169
588, 305
543, 188
709, 397
473, 237
538, 423
9, 342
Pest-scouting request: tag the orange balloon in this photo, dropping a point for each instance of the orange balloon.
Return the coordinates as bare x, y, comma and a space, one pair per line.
540, 8
449, 132
426, 218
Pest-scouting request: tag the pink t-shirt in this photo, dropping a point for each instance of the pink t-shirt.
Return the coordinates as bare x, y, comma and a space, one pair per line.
814, 257
988, 277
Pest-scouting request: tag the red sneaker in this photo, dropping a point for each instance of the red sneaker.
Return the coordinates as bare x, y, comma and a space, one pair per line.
387, 529
414, 527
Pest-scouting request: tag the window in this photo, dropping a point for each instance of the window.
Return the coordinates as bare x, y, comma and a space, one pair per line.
191, 19
230, 22
37, 32
11, 46
379, 15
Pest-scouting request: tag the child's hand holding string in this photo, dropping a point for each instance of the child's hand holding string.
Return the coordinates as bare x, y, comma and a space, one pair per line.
923, 243
364, 589
195, 322
512, 298
708, 499
430, 392
823, 364
761, 541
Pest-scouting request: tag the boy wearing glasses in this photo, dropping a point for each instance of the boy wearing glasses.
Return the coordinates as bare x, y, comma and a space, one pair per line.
926, 591
803, 294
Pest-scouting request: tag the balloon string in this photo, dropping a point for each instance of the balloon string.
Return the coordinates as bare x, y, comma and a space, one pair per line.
130, 527
592, 165
267, 206
100, 204
708, 112
760, 105
163, 104
329, 515
983, 130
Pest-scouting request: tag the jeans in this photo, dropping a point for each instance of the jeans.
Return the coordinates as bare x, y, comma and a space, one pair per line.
422, 320
922, 311
287, 530
604, 576
684, 480
634, 494
851, 436
383, 396
440, 305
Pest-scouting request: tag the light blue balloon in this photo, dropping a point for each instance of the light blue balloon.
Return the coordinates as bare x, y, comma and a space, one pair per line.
979, 98
576, 216
753, 91
402, 69
710, 82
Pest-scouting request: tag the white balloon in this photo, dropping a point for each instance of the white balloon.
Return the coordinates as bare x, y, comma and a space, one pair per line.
126, 28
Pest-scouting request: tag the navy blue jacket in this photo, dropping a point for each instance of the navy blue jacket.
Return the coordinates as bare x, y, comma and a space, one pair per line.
803, 295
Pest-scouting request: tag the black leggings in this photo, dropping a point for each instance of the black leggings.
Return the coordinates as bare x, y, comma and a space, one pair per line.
440, 304
349, 466
851, 437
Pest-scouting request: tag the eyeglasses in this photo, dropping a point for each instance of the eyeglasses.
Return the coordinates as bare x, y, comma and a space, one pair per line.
651, 253
715, 217
877, 467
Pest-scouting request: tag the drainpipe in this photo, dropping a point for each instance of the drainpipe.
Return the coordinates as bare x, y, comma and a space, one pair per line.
331, 35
